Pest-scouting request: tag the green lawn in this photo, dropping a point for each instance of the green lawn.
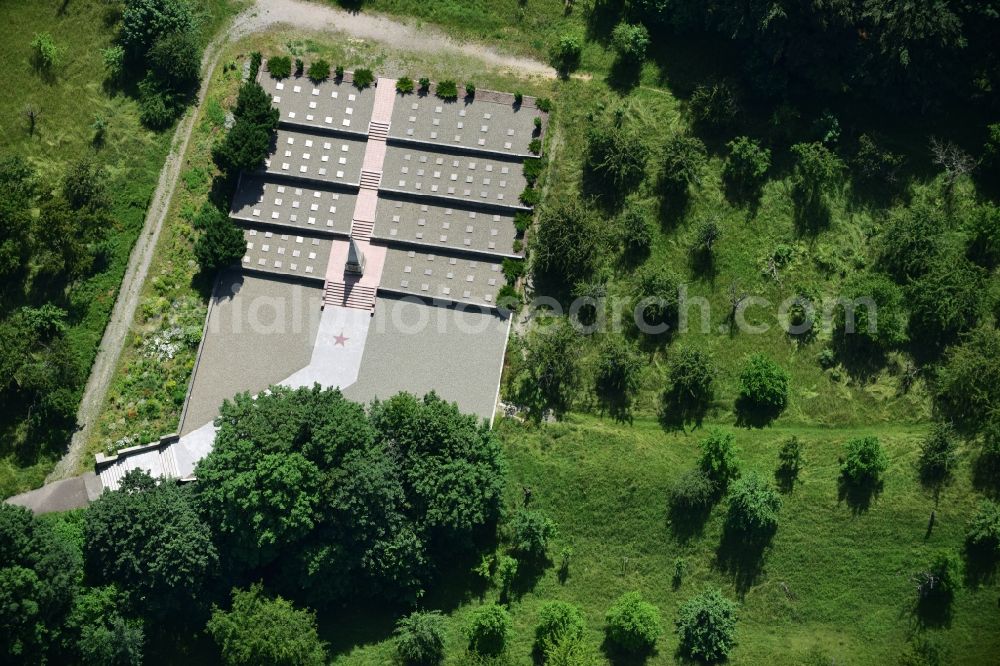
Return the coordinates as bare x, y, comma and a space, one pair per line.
68, 104
834, 579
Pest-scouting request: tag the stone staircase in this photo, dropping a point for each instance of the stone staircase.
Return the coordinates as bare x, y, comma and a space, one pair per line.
370, 180
157, 458
349, 295
378, 131
362, 230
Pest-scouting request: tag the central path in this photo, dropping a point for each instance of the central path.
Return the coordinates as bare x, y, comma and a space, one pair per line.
343, 288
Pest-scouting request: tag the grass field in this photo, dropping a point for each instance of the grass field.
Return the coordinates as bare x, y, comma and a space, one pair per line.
835, 582
69, 102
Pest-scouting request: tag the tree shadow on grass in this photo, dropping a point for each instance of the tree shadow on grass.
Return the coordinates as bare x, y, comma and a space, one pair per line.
687, 523
619, 657
861, 360
752, 415
623, 76
980, 565
674, 205
361, 622
617, 406
858, 496
608, 198
529, 572
742, 557
786, 479
986, 475
934, 611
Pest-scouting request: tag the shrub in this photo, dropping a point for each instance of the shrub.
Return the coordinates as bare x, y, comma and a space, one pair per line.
299, 66
509, 298
221, 242
684, 160
404, 85
280, 67
879, 327
538, 124
967, 386
983, 530
872, 164
690, 379
632, 624
946, 302
937, 583
692, 493
142, 23
565, 54
319, 70
790, 458
522, 221
489, 630
262, 630
655, 300
535, 146
680, 568
982, 245
339, 72
363, 78
447, 90
513, 269
114, 62
543, 104
616, 156
558, 620
763, 384
714, 105
46, 54
420, 638
530, 197
567, 242
518, 98
706, 626
706, 234
718, 458
746, 166
531, 531
425, 84
156, 107
470, 90
255, 60
630, 41
816, 172
753, 508
175, 60
864, 461
636, 237
938, 452
532, 170
911, 240
619, 369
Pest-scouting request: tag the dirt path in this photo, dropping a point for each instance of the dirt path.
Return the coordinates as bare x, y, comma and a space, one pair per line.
263, 15
398, 33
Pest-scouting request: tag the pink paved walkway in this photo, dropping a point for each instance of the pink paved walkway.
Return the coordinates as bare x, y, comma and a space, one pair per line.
342, 288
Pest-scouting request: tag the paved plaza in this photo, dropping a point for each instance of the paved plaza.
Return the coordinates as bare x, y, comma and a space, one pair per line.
376, 233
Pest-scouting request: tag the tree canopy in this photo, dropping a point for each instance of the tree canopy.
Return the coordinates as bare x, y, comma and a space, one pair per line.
266, 631
340, 501
147, 538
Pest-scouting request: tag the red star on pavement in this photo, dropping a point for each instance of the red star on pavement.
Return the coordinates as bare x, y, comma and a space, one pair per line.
340, 339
